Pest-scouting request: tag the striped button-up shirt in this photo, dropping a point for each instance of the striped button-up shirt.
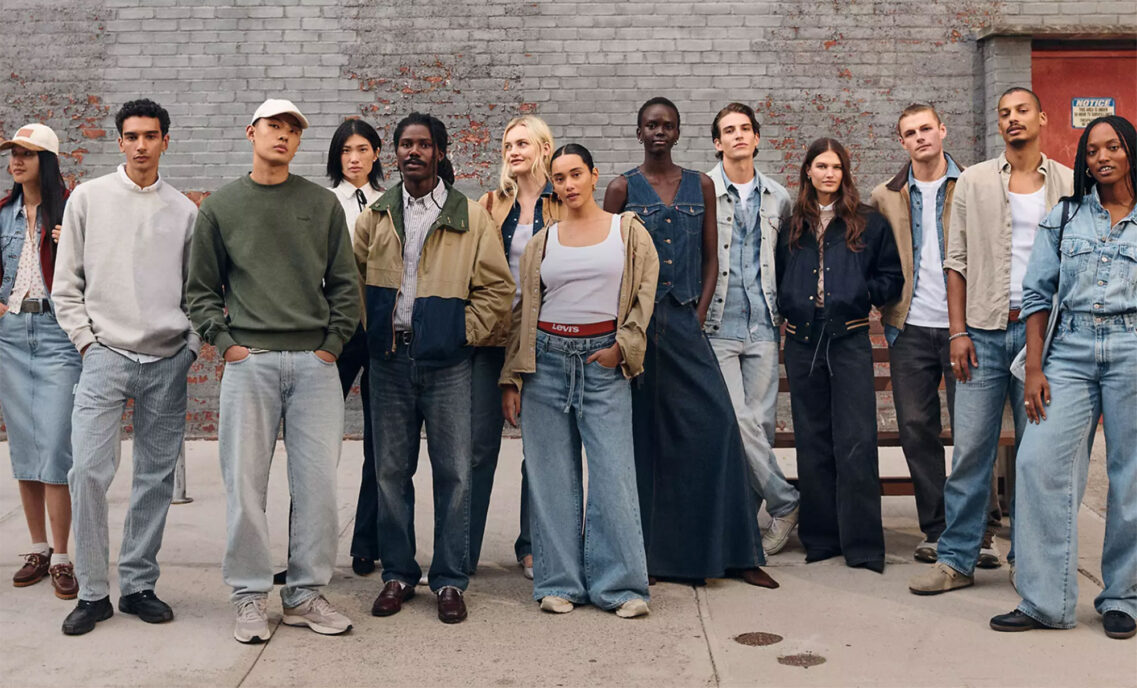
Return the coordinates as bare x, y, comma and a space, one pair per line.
418, 215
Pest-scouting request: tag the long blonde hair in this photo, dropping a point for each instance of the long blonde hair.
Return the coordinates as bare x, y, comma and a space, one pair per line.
539, 136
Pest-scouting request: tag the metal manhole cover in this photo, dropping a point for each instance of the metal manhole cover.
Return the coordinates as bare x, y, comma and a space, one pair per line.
803, 660
758, 639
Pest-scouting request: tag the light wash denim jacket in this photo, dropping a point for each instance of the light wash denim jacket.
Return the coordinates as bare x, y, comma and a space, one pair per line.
1094, 270
773, 212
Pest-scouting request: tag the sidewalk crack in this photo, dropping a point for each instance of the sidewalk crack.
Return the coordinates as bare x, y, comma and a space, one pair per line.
700, 601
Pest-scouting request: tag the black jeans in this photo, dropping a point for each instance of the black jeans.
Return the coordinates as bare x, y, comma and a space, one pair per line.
918, 360
834, 413
365, 538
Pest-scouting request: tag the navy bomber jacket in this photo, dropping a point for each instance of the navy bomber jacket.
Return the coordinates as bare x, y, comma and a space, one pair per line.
854, 280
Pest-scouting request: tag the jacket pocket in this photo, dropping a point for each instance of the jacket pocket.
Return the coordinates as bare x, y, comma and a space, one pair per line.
439, 328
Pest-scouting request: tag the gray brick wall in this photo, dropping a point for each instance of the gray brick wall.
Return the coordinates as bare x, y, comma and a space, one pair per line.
833, 67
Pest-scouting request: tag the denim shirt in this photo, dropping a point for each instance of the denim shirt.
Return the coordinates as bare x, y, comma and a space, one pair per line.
13, 233
676, 230
1095, 268
745, 315
916, 213
509, 225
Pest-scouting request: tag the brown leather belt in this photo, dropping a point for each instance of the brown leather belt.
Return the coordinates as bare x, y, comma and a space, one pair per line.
577, 329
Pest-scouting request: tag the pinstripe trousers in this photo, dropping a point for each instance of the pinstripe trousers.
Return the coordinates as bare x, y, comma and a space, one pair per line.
159, 392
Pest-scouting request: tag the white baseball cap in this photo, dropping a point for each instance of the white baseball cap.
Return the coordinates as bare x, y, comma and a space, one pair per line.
278, 106
36, 137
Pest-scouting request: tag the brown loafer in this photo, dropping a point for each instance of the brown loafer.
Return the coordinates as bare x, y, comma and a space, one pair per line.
451, 606
391, 599
34, 569
758, 577
63, 580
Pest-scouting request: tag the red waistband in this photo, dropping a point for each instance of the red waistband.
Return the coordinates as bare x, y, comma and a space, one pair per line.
578, 330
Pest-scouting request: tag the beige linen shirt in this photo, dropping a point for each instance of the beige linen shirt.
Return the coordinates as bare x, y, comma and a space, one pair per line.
978, 244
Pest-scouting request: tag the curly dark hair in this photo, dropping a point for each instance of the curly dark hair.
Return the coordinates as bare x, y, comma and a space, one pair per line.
142, 108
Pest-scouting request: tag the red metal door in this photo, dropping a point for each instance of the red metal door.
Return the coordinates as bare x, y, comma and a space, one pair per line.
1077, 83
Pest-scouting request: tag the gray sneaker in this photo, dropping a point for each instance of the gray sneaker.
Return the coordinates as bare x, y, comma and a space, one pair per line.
319, 615
926, 552
939, 578
774, 539
252, 620
988, 551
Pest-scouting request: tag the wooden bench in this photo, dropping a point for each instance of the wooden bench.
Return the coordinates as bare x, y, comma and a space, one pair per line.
888, 433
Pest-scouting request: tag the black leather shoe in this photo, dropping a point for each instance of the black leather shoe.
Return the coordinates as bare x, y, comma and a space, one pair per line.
1015, 621
451, 606
280, 577
362, 566
1119, 625
85, 615
146, 606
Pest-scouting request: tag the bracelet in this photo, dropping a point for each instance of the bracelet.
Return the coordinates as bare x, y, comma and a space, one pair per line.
957, 335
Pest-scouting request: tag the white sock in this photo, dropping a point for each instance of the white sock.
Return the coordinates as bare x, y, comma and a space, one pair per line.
40, 548
60, 559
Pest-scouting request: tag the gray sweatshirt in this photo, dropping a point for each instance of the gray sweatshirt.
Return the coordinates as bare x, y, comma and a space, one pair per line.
120, 271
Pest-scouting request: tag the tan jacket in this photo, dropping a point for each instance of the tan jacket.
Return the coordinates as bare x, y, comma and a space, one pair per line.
978, 245
893, 200
498, 205
637, 302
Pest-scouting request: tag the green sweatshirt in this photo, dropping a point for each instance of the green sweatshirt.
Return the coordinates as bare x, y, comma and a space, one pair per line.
279, 259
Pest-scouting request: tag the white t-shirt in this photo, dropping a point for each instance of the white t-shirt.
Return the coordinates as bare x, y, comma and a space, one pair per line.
744, 191
1027, 210
929, 300
521, 237
582, 283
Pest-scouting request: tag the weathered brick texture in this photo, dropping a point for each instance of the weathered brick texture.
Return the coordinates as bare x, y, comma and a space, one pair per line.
835, 67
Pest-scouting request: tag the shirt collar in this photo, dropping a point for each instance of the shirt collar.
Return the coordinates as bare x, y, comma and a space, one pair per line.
438, 192
1005, 165
953, 172
130, 182
346, 190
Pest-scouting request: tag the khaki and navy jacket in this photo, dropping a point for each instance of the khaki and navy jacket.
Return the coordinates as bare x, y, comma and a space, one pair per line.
464, 285
637, 302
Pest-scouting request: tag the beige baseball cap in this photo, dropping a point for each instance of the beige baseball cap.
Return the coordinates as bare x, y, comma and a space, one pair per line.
36, 137
278, 106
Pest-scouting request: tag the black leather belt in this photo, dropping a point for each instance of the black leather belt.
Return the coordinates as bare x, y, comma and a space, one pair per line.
403, 337
35, 306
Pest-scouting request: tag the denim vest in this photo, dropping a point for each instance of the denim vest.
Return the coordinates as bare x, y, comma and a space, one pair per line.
13, 232
745, 315
509, 225
1094, 270
676, 230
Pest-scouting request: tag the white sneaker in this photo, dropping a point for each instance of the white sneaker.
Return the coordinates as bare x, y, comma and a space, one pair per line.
556, 605
527, 566
319, 615
774, 539
252, 620
632, 608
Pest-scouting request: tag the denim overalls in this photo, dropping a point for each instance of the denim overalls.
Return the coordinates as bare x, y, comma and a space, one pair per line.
1092, 372
695, 499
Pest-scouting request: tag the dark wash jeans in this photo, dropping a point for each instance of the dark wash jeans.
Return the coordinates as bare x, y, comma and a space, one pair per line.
834, 412
353, 359
918, 360
403, 397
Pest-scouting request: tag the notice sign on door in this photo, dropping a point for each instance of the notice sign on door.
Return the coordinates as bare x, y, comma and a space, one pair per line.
1085, 110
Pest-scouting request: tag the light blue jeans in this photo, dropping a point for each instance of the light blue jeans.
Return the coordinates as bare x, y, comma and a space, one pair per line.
750, 370
258, 392
596, 554
159, 392
1092, 371
979, 406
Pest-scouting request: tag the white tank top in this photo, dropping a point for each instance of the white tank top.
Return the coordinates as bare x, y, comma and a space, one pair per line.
582, 283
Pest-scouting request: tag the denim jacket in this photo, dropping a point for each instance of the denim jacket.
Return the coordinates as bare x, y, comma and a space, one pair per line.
773, 212
676, 230
1094, 270
13, 231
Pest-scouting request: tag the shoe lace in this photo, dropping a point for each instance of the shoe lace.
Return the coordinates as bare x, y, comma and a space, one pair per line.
33, 558
251, 609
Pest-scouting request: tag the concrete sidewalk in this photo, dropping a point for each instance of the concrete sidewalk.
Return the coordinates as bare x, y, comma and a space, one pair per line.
864, 628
